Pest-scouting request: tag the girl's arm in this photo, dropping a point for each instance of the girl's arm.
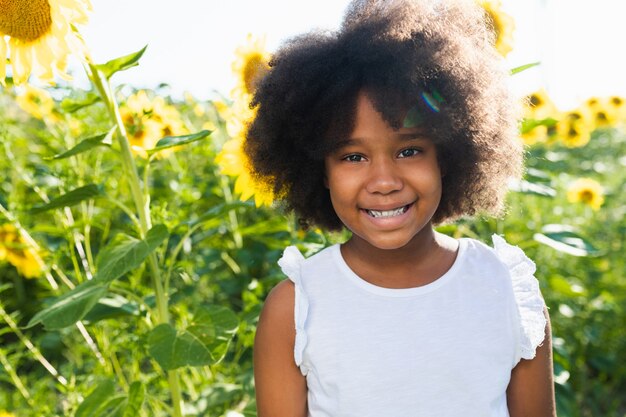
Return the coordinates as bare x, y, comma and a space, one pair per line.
280, 386
531, 389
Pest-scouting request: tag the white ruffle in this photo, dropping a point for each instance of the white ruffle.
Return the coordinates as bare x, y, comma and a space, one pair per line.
290, 264
530, 303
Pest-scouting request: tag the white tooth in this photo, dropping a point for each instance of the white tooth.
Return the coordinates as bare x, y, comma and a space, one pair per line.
387, 213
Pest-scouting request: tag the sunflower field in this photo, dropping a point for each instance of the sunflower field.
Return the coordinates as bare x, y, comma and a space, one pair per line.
136, 249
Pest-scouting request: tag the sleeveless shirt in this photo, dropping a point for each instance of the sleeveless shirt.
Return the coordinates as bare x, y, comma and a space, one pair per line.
445, 349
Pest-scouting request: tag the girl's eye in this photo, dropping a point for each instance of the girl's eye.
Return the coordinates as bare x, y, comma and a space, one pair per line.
407, 153
353, 158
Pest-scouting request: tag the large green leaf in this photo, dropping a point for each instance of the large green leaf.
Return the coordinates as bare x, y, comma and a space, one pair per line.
96, 400
172, 141
564, 239
70, 307
204, 342
70, 198
127, 253
112, 306
103, 402
122, 63
100, 140
136, 395
71, 104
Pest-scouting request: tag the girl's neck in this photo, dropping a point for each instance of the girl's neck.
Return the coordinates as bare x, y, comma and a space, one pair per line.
423, 260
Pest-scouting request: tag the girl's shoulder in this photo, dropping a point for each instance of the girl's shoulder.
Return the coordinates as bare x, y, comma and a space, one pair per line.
525, 288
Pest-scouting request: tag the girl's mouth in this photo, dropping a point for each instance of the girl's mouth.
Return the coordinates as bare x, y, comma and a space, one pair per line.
388, 213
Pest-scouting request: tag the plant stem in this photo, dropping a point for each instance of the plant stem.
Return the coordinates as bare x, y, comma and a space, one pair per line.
36, 353
4, 361
142, 205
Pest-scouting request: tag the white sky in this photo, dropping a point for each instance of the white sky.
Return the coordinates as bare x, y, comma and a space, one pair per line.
192, 42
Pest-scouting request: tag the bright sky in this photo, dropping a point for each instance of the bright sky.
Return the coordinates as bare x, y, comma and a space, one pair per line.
192, 42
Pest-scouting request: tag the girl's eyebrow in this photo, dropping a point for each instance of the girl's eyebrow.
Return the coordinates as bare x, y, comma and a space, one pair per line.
403, 136
412, 135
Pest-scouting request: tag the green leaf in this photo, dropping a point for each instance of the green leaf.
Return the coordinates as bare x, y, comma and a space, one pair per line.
521, 68
136, 395
70, 198
161, 341
172, 141
217, 212
224, 324
121, 63
127, 253
564, 239
70, 307
112, 306
530, 124
114, 407
204, 342
104, 139
71, 105
537, 175
95, 402
527, 187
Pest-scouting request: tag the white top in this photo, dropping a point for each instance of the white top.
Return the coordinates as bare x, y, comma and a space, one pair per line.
445, 349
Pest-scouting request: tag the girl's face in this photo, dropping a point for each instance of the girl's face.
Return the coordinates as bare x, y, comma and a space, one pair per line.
385, 184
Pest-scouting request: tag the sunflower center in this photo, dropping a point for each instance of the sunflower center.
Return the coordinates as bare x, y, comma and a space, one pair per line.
253, 72
586, 196
25, 20
535, 100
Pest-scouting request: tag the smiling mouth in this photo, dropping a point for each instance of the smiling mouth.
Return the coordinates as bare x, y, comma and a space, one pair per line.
388, 213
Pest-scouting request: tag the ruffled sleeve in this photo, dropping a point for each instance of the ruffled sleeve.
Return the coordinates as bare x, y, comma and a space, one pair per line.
290, 263
530, 304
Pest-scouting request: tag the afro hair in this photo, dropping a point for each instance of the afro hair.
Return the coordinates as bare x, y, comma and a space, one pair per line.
434, 57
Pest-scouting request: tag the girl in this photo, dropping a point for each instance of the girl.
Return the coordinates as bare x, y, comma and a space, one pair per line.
399, 121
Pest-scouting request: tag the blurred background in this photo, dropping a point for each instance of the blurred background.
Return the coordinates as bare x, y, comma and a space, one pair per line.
191, 45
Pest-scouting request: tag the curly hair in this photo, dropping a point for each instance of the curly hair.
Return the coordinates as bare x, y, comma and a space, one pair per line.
402, 53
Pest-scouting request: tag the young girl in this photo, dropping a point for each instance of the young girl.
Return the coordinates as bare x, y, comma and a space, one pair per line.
399, 121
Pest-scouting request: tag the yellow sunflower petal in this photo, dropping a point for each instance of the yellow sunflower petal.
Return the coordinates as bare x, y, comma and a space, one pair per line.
500, 23
3, 54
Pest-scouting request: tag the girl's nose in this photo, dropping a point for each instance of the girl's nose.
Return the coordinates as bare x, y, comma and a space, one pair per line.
383, 178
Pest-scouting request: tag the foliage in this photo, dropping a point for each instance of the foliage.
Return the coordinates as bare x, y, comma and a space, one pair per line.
146, 275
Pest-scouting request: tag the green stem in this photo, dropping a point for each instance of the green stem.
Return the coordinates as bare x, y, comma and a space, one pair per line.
142, 206
33, 350
232, 214
4, 361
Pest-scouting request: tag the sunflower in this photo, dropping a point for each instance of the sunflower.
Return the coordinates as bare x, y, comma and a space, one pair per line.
574, 128
148, 120
603, 112
234, 162
539, 106
6, 414
618, 106
15, 250
586, 191
39, 35
37, 102
250, 66
500, 23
